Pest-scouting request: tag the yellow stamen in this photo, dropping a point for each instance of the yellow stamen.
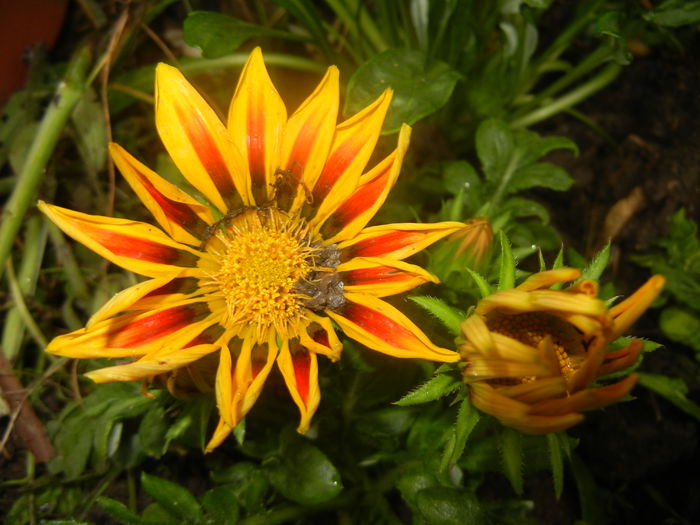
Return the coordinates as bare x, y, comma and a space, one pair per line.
262, 254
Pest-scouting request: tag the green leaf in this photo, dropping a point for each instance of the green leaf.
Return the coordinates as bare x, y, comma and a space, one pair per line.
302, 473
217, 35
481, 283
675, 13
447, 506
512, 455
557, 464
450, 317
220, 503
597, 266
520, 207
91, 137
246, 481
421, 87
174, 498
152, 431
506, 264
120, 512
541, 174
681, 325
672, 389
467, 418
495, 147
306, 13
435, 388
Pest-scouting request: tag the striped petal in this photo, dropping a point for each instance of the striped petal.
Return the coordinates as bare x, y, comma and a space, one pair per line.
381, 327
238, 386
382, 277
135, 246
397, 241
182, 217
198, 142
300, 371
354, 213
256, 122
306, 142
137, 333
319, 337
353, 144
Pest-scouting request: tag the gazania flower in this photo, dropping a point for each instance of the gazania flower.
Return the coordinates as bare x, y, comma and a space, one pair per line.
533, 352
281, 253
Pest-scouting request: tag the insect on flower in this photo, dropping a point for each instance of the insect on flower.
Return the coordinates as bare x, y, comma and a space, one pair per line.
289, 259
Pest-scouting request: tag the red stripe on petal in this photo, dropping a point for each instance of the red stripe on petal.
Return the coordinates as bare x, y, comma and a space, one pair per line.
377, 274
177, 212
359, 202
209, 335
154, 326
209, 155
383, 244
179, 285
141, 249
256, 149
302, 366
380, 326
321, 337
334, 168
298, 159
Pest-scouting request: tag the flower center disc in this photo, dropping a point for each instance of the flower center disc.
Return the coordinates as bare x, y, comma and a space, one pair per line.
262, 255
531, 329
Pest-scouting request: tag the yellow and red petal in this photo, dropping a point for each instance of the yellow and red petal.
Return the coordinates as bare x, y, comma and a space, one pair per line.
299, 369
198, 142
135, 246
381, 327
256, 121
382, 277
149, 367
181, 216
357, 210
353, 144
137, 333
319, 337
307, 139
252, 368
396, 241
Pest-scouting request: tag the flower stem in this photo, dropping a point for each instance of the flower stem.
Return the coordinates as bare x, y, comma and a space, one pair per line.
68, 93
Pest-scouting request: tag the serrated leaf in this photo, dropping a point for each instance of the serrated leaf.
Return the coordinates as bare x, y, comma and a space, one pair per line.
467, 419
435, 388
520, 207
557, 464
447, 315
481, 283
541, 174
494, 147
506, 264
421, 86
672, 389
512, 456
597, 266
174, 498
217, 35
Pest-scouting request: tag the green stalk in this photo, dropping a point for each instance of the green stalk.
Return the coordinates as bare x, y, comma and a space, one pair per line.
563, 103
21, 307
345, 9
35, 241
68, 93
205, 65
